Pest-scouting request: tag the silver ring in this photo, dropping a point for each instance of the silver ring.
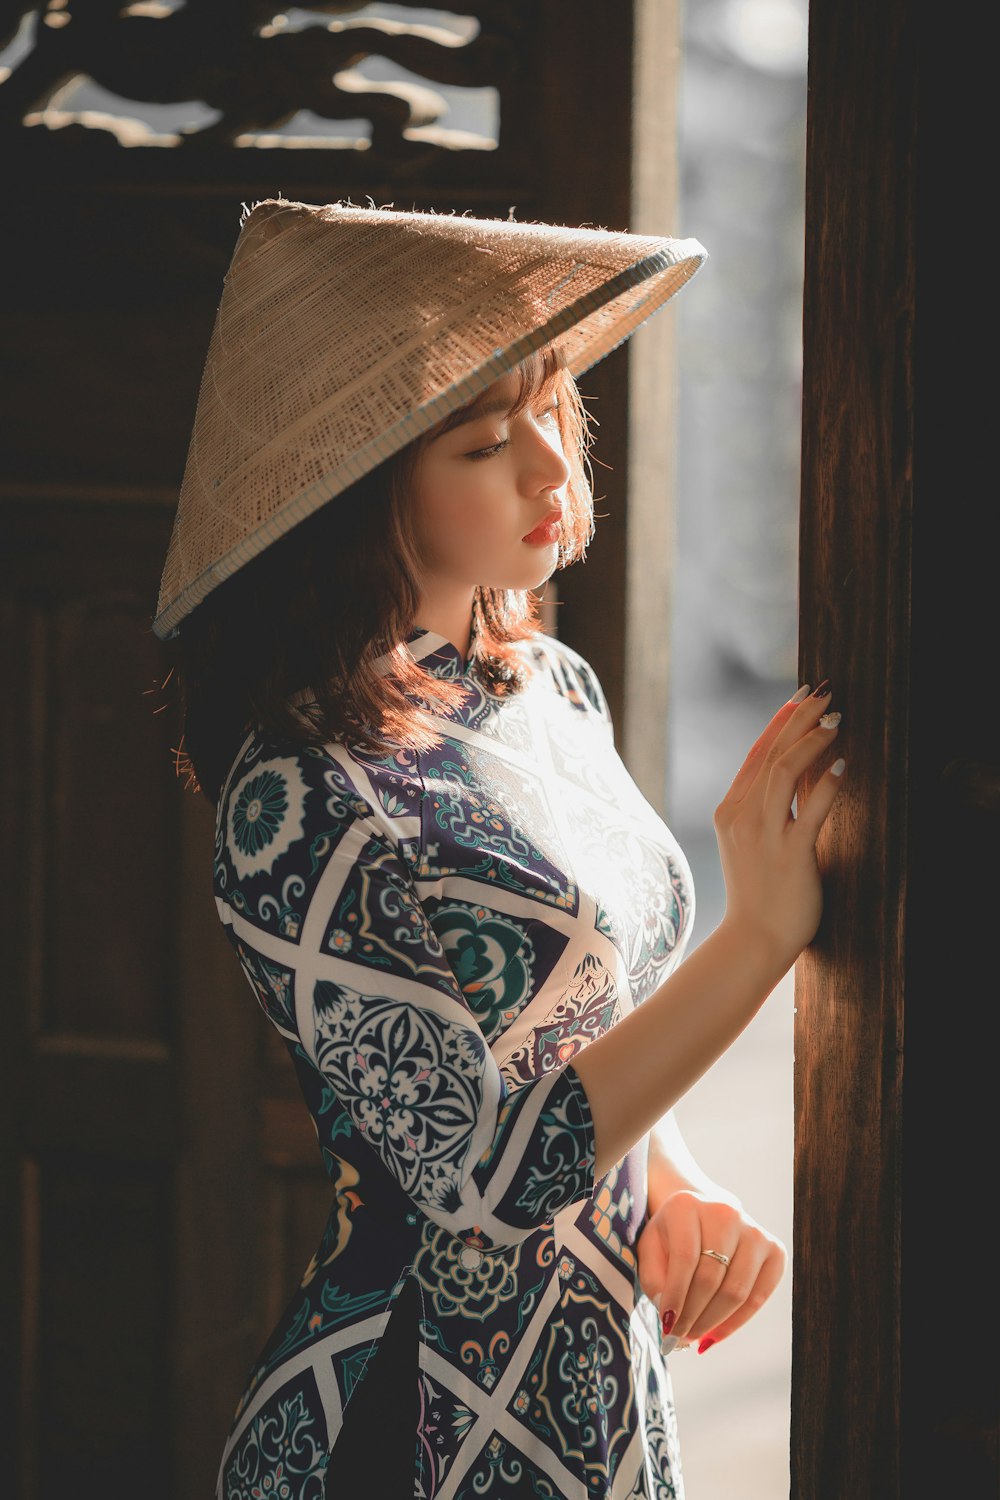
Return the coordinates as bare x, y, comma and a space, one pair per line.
717, 1255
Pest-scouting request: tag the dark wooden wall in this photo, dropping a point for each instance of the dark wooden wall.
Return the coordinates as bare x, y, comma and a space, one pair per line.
160, 1189
896, 1372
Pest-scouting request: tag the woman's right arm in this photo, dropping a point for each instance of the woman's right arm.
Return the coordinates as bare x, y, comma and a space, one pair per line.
638, 1070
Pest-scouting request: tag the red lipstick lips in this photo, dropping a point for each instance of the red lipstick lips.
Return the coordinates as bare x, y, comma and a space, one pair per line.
545, 532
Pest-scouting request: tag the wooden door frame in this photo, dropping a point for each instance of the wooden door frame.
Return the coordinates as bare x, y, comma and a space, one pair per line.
895, 1336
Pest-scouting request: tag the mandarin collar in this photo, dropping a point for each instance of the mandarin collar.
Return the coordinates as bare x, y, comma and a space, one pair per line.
439, 656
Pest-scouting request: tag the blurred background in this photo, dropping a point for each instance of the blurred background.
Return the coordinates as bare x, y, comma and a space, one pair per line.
734, 641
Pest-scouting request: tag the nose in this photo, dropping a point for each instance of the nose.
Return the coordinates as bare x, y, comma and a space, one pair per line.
545, 466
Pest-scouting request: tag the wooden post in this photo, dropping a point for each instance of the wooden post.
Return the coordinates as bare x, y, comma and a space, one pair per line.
895, 1321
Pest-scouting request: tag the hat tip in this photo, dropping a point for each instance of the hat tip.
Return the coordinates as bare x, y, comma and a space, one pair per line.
269, 205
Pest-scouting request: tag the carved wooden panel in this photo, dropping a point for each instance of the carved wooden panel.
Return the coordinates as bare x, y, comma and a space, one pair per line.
227, 81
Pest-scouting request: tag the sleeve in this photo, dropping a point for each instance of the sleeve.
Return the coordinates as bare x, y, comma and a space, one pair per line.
380, 1012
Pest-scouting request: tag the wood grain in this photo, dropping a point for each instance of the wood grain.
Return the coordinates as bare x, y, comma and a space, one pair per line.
895, 1370
855, 533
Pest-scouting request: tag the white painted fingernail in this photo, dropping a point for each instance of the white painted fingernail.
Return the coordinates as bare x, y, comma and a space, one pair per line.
837, 769
801, 695
829, 721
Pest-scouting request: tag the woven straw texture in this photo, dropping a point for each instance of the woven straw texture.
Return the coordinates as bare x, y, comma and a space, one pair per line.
343, 333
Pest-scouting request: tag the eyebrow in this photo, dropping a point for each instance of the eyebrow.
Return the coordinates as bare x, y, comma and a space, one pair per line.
475, 411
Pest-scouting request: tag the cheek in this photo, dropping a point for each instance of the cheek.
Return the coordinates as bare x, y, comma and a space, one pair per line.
455, 515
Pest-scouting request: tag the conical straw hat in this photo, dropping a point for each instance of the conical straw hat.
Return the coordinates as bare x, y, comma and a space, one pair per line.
343, 333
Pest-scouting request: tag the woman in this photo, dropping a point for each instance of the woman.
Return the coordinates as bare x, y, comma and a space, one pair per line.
444, 888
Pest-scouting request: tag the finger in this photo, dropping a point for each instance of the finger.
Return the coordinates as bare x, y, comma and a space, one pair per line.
707, 1281
736, 1284
787, 769
744, 777
708, 1331
792, 720
681, 1260
693, 1277
652, 1257
812, 813
665, 1290
807, 716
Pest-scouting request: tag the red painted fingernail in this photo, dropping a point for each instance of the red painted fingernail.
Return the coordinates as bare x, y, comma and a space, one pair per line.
818, 692
706, 1343
669, 1319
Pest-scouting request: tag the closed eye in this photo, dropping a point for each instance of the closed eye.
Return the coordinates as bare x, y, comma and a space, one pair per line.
489, 452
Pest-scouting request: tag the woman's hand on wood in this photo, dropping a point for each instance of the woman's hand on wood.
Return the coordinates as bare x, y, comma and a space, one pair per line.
768, 854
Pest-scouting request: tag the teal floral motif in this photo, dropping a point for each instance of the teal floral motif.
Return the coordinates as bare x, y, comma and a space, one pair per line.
264, 817
490, 958
259, 809
394, 806
468, 1284
462, 805
604, 923
321, 1307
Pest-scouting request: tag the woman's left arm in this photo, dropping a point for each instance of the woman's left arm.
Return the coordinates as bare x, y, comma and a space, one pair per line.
700, 1298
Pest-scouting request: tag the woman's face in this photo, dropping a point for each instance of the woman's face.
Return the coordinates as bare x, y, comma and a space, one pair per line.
482, 487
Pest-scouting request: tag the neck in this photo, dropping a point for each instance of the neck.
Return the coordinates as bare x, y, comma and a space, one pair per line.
450, 617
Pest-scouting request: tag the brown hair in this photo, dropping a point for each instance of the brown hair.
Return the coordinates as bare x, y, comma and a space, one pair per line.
310, 617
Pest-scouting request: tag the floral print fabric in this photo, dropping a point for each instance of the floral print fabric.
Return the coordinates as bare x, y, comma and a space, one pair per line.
436, 935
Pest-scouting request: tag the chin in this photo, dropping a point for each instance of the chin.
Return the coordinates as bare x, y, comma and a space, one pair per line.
522, 584
538, 575
530, 575
544, 574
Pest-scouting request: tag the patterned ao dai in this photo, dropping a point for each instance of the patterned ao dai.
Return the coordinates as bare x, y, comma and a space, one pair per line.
436, 935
